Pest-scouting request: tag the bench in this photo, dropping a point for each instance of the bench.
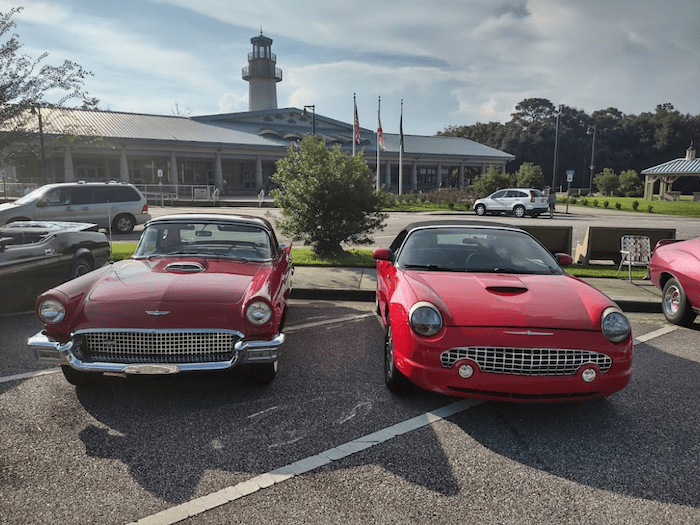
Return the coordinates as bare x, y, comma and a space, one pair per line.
557, 239
603, 242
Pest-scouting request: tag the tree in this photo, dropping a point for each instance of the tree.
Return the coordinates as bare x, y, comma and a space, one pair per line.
24, 85
529, 176
606, 181
629, 184
327, 197
491, 181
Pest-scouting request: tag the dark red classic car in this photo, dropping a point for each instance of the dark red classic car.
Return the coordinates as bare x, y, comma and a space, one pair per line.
201, 292
483, 310
675, 268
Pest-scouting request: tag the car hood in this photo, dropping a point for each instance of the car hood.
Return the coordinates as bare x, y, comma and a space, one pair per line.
484, 299
179, 296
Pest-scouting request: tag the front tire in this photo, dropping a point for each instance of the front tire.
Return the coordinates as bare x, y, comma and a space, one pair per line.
123, 224
394, 379
80, 267
519, 211
480, 209
675, 304
78, 378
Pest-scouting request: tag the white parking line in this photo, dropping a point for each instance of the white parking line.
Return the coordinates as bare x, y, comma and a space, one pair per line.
234, 492
653, 335
29, 375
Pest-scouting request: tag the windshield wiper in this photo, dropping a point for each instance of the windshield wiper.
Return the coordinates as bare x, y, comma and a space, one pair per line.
429, 267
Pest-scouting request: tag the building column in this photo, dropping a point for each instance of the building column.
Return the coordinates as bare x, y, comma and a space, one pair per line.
388, 176
172, 173
439, 175
414, 176
68, 168
218, 173
460, 176
258, 173
123, 167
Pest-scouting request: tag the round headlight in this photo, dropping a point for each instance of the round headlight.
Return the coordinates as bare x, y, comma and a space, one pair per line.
258, 312
51, 311
425, 319
616, 327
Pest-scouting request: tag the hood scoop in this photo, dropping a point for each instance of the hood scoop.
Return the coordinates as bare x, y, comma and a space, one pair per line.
506, 290
184, 267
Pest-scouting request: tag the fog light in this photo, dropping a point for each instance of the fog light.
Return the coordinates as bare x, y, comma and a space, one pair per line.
589, 374
466, 371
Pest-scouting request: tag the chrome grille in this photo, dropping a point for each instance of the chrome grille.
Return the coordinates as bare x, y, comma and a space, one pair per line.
527, 361
158, 346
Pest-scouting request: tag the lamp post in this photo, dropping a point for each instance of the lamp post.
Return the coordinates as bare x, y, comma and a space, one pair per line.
313, 117
556, 151
36, 110
590, 180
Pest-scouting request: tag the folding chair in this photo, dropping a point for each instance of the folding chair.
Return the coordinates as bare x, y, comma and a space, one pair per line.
635, 251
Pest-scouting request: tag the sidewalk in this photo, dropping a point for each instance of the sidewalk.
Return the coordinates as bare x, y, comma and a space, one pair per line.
359, 284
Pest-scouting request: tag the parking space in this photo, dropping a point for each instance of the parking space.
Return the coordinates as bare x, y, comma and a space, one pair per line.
327, 443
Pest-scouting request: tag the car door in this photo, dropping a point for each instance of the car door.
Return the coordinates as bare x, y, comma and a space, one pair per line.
498, 201
56, 205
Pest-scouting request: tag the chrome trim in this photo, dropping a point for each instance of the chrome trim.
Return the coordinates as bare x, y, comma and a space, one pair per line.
527, 361
50, 351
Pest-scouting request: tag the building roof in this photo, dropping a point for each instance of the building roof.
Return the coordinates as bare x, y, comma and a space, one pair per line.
273, 128
675, 167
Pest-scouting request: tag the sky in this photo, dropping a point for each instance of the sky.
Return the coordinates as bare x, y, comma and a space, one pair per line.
452, 62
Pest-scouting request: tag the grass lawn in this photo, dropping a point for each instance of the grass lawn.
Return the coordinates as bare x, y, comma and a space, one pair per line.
683, 208
358, 258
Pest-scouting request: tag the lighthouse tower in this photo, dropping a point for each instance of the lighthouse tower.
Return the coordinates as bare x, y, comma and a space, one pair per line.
262, 75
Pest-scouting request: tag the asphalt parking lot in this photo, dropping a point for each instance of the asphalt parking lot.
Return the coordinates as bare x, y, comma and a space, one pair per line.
327, 443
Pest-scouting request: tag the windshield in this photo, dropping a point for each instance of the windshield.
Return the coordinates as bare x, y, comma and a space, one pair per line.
33, 196
205, 239
461, 249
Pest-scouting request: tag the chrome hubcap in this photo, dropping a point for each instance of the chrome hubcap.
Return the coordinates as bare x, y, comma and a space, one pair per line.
672, 300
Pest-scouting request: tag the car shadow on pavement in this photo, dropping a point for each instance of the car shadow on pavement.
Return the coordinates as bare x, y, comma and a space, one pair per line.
641, 442
185, 436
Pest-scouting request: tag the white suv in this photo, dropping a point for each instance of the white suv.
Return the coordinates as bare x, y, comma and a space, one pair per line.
108, 204
518, 201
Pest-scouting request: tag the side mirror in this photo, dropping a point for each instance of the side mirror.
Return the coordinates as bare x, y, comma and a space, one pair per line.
564, 259
42, 203
382, 254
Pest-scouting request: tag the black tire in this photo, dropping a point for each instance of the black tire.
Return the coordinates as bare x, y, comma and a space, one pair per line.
81, 266
675, 304
480, 209
77, 378
262, 373
394, 379
519, 211
123, 223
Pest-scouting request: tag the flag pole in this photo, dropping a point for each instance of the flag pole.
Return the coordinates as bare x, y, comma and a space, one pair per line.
379, 137
354, 123
401, 152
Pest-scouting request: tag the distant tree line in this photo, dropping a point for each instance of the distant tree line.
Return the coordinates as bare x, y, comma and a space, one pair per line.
623, 142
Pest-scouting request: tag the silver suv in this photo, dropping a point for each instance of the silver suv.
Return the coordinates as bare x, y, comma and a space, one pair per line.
108, 204
518, 201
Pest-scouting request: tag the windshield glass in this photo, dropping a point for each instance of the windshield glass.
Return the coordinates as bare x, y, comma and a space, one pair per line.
34, 195
205, 239
464, 249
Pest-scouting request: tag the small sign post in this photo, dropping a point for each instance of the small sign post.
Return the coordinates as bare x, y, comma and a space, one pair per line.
160, 183
569, 180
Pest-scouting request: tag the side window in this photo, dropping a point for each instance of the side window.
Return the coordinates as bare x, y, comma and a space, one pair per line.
123, 194
499, 194
522, 195
83, 195
58, 197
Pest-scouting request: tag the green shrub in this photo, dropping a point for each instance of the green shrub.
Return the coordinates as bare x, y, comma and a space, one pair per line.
606, 204
650, 208
635, 205
595, 203
618, 205
584, 202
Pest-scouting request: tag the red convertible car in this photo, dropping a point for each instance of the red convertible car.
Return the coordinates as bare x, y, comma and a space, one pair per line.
483, 310
675, 268
201, 292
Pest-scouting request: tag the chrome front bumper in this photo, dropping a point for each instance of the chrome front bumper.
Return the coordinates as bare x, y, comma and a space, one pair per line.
49, 351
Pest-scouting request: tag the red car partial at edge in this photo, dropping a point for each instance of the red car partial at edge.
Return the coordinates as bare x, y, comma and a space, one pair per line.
201, 292
483, 310
675, 269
